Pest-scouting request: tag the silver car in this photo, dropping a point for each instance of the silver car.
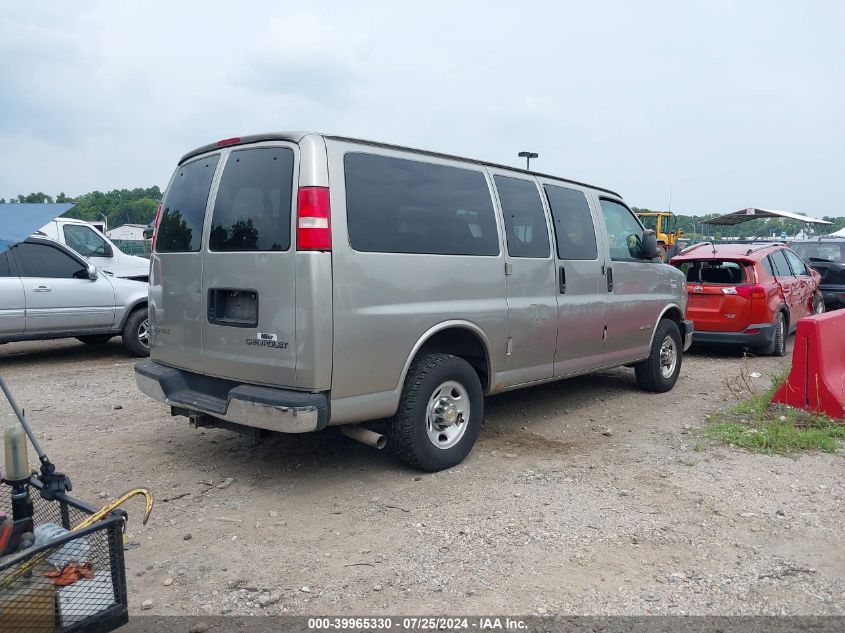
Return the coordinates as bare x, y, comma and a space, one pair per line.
303, 280
48, 291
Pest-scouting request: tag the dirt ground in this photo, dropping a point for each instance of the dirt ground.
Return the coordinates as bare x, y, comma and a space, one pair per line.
582, 497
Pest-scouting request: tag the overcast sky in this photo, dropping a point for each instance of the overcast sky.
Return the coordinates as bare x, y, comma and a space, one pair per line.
733, 104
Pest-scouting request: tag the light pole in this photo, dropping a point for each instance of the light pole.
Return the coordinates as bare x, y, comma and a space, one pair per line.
528, 156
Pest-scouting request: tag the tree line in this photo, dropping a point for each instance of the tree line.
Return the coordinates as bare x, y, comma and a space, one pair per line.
138, 206
119, 206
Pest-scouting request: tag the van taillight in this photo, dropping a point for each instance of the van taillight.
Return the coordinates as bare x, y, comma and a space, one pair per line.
155, 229
751, 291
313, 220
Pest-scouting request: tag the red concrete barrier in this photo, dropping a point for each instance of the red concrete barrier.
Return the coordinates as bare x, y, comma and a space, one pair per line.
816, 381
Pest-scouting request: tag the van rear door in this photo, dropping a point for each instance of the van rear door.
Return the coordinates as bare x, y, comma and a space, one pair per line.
249, 269
176, 301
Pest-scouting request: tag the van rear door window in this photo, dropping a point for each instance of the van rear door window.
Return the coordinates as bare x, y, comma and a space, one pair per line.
183, 209
253, 204
525, 220
395, 205
574, 230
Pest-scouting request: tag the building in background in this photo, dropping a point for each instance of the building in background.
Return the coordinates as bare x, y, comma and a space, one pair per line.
127, 232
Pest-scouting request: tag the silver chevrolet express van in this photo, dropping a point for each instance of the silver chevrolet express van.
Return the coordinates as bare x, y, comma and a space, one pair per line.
303, 280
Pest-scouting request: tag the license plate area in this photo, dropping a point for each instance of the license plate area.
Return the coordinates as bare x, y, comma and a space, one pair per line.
233, 307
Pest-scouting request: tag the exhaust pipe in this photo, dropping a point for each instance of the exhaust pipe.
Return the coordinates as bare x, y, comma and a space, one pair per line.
365, 436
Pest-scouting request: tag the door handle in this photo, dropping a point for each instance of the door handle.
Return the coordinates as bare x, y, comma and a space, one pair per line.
609, 279
562, 280
42, 289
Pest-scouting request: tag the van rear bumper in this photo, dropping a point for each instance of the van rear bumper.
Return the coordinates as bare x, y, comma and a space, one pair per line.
273, 409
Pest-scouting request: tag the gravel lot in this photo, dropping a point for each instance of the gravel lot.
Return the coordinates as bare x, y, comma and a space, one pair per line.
582, 497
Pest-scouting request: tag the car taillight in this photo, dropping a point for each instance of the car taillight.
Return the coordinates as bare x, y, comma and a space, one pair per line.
750, 291
155, 228
313, 220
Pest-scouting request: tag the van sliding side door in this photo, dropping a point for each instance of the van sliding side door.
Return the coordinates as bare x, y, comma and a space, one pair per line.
530, 275
579, 280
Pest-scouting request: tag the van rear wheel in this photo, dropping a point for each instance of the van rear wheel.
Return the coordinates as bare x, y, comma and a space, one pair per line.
440, 413
659, 372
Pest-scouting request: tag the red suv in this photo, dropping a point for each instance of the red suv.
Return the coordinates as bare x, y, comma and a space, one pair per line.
747, 294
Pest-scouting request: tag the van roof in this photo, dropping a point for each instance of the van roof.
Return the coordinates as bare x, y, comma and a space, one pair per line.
296, 137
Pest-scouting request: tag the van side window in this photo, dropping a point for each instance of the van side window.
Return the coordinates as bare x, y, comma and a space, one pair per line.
183, 208
525, 220
252, 208
623, 231
574, 230
395, 205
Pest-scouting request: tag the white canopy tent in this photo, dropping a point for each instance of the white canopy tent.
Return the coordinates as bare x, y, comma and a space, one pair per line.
753, 213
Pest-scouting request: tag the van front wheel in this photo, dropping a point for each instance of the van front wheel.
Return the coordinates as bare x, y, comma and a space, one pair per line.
659, 372
440, 413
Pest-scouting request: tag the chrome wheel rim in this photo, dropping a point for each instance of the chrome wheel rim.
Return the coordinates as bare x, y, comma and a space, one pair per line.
668, 357
779, 334
144, 333
819, 307
447, 414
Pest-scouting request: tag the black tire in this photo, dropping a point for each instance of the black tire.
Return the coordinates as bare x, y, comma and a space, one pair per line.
408, 434
818, 304
95, 339
133, 333
651, 373
778, 345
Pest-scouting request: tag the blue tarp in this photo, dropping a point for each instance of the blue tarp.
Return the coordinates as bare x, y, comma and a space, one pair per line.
20, 220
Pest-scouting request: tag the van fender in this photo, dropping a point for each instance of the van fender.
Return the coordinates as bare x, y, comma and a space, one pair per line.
660, 318
440, 327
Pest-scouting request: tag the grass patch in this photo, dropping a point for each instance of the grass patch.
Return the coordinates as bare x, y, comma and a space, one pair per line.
756, 425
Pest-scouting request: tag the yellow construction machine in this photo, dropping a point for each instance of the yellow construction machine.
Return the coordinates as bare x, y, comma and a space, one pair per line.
663, 223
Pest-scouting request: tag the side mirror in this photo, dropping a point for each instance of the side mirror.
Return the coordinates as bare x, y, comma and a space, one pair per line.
109, 252
649, 244
680, 231
92, 272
